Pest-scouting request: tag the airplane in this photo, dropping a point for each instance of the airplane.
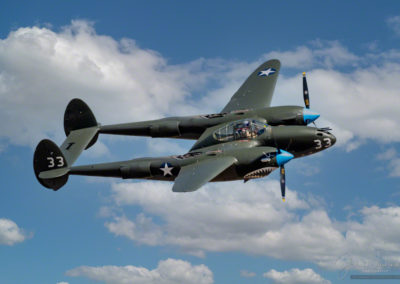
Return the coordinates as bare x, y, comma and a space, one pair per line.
247, 140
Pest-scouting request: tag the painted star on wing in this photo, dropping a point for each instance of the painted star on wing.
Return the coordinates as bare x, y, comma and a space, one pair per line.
267, 72
166, 169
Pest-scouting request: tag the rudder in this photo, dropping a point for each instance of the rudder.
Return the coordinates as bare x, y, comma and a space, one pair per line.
50, 165
77, 116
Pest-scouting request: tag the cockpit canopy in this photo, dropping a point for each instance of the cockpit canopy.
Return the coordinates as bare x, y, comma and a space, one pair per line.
240, 129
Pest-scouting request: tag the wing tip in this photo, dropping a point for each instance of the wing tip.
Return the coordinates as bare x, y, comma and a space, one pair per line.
273, 61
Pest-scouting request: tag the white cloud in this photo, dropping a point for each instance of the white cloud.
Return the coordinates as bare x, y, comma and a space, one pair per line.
10, 233
62, 282
394, 24
392, 161
165, 147
395, 167
218, 218
41, 70
326, 54
97, 150
168, 271
295, 276
360, 105
105, 212
247, 274
300, 57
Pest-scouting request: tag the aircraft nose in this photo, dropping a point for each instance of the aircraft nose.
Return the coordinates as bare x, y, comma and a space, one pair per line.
333, 139
328, 139
309, 115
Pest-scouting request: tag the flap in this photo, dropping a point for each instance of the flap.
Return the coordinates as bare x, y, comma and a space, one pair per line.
193, 176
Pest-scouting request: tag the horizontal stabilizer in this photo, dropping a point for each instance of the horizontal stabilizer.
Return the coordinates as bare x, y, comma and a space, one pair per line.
193, 176
53, 173
77, 141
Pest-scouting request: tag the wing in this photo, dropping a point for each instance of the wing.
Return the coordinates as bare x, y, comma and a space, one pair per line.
257, 90
193, 176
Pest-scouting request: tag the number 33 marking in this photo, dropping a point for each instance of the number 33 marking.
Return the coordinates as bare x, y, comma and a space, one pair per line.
319, 143
328, 142
52, 164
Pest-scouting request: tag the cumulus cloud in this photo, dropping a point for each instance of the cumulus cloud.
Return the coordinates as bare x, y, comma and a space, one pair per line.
42, 69
392, 160
218, 218
394, 24
359, 105
356, 95
247, 274
164, 147
168, 271
10, 233
325, 54
295, 276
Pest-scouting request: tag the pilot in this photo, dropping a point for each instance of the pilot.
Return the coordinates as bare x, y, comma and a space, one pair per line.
247, 133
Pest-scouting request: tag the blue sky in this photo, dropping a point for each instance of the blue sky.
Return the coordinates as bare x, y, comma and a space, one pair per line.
138, 60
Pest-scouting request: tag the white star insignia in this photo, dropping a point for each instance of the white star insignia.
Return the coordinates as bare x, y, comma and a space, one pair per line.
166, 170
266, 72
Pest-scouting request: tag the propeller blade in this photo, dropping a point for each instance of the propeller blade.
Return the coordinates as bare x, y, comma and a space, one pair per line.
282, 157
283, 182
305, 91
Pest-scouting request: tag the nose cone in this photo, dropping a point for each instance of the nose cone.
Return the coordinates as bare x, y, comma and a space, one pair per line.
309, 115
283, 157
333, 139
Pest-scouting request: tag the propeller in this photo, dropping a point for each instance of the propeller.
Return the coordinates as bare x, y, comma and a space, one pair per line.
305, 92
308, 115
282, 157
283, 182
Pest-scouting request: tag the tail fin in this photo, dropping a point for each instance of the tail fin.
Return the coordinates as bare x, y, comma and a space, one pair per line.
51, 163
77, 116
